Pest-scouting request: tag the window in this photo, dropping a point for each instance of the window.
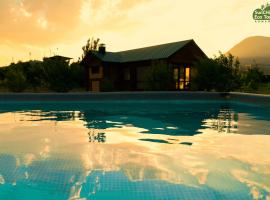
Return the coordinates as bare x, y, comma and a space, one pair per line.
187, 78
181, 76
187, 73
95, 70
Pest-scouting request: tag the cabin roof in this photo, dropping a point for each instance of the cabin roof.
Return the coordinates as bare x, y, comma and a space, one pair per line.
147, 53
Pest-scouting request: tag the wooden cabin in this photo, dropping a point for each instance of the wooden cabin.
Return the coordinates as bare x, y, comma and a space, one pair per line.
126, 70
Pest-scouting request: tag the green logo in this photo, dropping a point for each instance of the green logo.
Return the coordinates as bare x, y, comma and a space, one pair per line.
262, 14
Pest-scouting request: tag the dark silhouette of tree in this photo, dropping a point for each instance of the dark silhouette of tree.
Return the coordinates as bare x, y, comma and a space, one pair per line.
221, 73
77, 74
15, 78
91, 45
252, 78
57, 74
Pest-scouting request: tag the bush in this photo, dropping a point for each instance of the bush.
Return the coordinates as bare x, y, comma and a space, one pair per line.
252, 78
206, 75
106, 86
16, 80
159, 78
57, 75
77, 75
34, 73
218, 74
53, 73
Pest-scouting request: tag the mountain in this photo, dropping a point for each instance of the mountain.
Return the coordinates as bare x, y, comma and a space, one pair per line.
253, 50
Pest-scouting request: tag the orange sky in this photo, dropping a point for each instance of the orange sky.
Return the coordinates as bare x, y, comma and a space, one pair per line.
41, 27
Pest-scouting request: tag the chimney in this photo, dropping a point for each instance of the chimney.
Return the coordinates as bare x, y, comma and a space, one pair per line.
102, 48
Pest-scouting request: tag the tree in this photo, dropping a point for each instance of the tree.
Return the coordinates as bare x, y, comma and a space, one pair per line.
252, 78
3, 71
34, 73
220, 73
77, 75
15, 79
229, 71
91, 45
207, 70
57, 74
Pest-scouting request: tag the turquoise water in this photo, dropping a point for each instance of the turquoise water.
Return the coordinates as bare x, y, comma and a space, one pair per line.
134, 150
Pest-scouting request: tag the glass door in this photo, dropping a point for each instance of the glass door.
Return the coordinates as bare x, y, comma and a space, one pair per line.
187, 78
182, 77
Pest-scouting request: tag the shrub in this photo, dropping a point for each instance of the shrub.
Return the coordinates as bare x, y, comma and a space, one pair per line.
106, 86
77, 75
252, 78
34, 73
219, 74
206, 75
57, 75
16, 80
159, 78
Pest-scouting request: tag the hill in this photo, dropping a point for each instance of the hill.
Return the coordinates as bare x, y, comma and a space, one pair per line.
253, 50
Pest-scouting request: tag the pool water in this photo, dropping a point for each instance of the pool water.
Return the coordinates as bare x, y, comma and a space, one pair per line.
134, 150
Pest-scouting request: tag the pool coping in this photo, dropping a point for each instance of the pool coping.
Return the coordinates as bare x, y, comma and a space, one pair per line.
166, 95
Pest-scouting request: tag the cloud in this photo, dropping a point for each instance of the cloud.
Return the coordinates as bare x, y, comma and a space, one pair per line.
109, 14
37, 23
128, 4
37, 26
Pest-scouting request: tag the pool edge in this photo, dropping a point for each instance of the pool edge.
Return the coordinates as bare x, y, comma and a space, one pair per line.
110, 96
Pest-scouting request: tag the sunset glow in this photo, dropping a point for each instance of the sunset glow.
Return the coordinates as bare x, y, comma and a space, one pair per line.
32, 29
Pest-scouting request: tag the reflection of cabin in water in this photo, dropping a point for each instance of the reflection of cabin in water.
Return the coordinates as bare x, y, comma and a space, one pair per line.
226, 122
94, 136
126, 70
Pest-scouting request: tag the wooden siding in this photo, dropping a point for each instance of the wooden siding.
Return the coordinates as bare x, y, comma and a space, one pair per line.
114, 72
95, 86
96, 75
189, 54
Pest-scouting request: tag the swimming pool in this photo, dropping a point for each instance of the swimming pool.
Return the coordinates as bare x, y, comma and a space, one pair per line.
134, 150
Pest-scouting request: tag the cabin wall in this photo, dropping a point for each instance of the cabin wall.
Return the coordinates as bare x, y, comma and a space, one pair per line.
188, 56
98, 75
133, 76
139, 73
93, 80
143, 73
112, 75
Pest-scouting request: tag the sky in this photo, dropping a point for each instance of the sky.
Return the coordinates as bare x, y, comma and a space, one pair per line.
32, 29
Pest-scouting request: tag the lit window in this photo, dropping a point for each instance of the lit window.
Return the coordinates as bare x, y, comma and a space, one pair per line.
187, 73
181, 86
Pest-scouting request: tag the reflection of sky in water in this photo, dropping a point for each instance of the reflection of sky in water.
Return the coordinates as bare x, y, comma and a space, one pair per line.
129, 150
